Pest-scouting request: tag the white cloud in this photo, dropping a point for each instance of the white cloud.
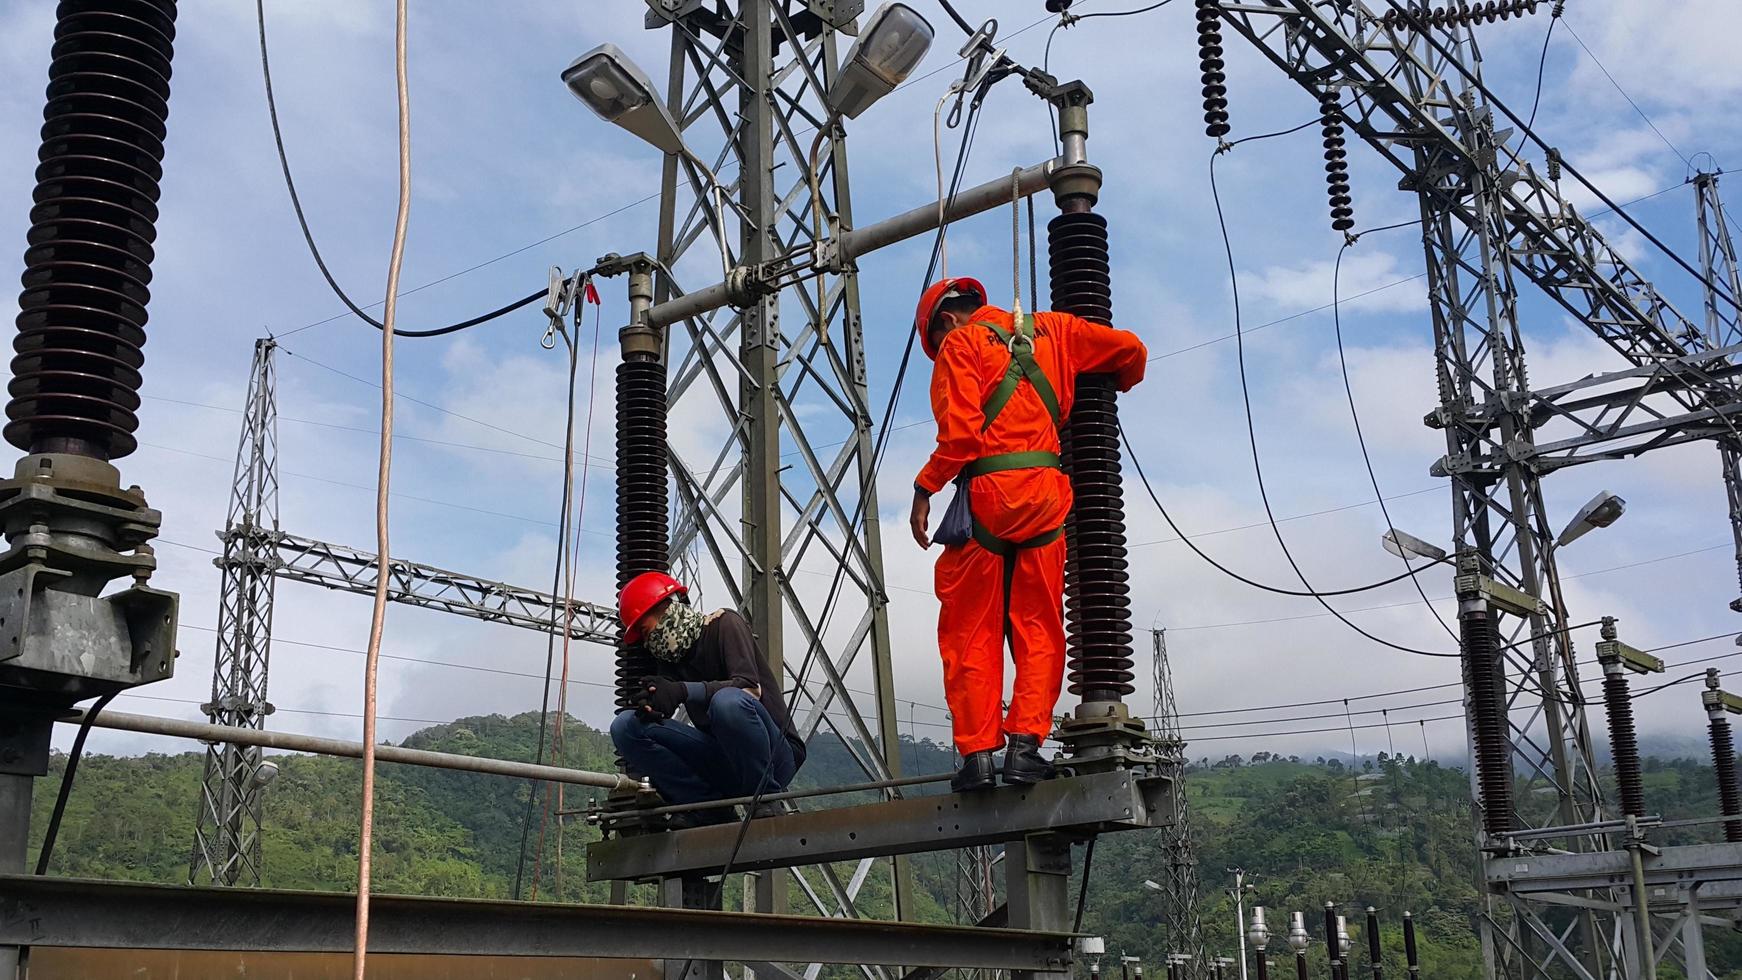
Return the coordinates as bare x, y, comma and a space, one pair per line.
1309, 285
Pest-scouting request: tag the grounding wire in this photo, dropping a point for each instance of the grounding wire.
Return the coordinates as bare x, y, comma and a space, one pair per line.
1474, 80
52, 832
1251, 429
556, 585
309, 238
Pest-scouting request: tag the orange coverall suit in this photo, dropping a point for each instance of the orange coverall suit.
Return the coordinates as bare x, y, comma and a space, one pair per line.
1014, 505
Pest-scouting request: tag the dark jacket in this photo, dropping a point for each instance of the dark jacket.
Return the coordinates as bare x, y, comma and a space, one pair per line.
727, 655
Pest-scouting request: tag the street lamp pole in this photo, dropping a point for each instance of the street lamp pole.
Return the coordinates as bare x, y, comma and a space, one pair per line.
1240, 915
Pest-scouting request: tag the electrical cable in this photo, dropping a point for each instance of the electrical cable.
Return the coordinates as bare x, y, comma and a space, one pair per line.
378, 614
1225, 570
77, 752
308, 236
1067, 20
1251, 429
1083, 888
555, 589
1474, 80
1604, 69
961, 22
1355, 415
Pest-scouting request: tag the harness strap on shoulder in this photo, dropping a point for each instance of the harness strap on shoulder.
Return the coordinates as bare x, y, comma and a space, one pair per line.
1020, 343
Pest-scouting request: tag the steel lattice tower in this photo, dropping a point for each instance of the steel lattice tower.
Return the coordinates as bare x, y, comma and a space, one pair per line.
227, 830
1723, 327
1179, 884
745, 83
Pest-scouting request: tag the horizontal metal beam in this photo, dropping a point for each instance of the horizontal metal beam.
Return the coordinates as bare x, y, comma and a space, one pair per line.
78, 913
122, 721
1076, 804
851, 245
1715, 868
347, 569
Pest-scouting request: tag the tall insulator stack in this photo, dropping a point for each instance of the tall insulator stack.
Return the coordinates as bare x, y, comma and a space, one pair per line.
1336, 161
1623, 742
1717, 704
1484, 680
87, 267
1097, 580
1214, 70
643, 507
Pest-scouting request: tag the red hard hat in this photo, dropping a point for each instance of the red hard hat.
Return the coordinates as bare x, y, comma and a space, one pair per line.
643, 592
935, 294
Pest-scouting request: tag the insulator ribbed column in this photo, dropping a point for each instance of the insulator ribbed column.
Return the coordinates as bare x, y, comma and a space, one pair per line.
1484, 680
1723, 756
1212, 68
1623, 741
1097, 578
643, 507
87, 268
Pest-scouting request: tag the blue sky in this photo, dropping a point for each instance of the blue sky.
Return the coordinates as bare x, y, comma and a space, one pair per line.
503, 158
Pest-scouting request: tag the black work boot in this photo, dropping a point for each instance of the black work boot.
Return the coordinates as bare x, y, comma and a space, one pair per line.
1022, 762
977, 771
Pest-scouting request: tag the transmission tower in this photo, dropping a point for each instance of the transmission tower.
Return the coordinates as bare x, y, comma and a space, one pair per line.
1179, 884
227, 829
1723, 327
1408, 82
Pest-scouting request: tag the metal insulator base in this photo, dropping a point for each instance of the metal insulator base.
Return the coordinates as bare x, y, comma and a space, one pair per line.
643, 507
1624, 743
1214, 70
1484, 678
1097, 580
87, 268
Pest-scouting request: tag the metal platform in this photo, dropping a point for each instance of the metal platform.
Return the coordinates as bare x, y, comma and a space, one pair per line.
1074, 805
85, 914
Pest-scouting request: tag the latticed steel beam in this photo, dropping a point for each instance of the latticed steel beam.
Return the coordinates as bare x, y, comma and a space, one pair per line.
226, 846
1723, 327
785, 368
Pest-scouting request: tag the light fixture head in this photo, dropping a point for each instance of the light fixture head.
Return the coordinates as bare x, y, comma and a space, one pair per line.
1600, 511
1405, 545
889, 47
619, 92
1259, 933
1152, 886
264, 774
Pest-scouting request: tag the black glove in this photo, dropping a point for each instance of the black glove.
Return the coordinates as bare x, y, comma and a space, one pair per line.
661, 696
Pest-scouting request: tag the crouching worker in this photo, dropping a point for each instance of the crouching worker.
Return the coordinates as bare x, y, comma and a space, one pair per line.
742, 738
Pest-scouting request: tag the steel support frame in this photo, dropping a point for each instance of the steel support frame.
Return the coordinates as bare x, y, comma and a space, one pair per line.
1179, 876
226, 845
72, 912
1409, 94
1723, 327
784, 384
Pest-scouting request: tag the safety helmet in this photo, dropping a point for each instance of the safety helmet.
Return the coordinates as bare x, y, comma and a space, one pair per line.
643, 592
934, 296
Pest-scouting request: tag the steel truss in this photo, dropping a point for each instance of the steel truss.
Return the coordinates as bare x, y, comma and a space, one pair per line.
785, 386
1413, 93
1179, 877
226, 848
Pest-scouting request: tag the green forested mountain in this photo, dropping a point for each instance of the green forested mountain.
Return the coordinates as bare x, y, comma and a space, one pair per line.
1394, 834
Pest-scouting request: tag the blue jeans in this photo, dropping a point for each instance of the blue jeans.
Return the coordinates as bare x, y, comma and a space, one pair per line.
692, 765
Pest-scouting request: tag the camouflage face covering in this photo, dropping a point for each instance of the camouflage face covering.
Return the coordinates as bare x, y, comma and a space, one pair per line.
676, 632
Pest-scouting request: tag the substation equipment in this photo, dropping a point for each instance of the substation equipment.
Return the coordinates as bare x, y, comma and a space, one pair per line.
1572, 888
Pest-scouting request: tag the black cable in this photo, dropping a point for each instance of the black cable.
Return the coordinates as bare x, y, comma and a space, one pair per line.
308, 236
1066, 19
1355, 415
961, 22
1083, 889
1474, 80
66, 782
556, 588
1252, 432
1137, 465
743, 831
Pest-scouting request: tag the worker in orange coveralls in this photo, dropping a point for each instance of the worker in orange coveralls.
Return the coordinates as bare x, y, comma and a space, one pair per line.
1000, 392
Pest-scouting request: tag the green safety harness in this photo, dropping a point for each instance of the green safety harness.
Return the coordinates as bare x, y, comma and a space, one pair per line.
1020, 343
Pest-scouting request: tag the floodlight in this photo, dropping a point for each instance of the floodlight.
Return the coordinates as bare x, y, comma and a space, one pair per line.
1601, 511
1405, 545
1152, 886
892, 43
617, 90
264, 774
1259, 933
1297, 934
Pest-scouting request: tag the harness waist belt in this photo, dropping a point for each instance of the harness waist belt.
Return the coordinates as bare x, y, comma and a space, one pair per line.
1001, 462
